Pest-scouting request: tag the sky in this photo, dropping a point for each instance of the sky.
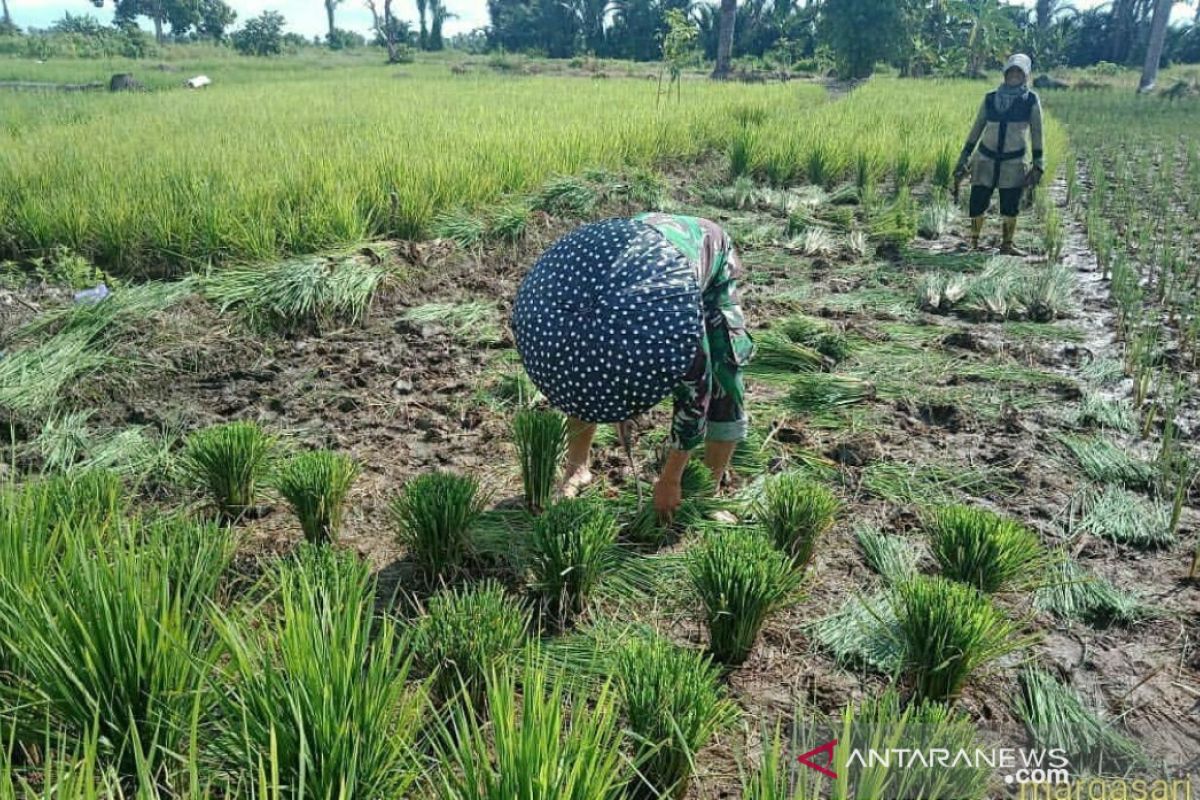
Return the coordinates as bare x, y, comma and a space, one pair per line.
308, 16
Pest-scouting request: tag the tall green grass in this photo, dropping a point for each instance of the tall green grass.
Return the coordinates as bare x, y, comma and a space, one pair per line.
320, 691
433, 516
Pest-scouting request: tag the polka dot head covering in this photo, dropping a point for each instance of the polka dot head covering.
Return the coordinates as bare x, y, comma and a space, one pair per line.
608, 320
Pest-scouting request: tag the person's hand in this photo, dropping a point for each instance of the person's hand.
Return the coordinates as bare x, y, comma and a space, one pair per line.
960, 171
668, 496
1033, 177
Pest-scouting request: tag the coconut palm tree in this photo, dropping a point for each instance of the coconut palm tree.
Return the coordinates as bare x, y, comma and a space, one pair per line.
725, 39
1158, 35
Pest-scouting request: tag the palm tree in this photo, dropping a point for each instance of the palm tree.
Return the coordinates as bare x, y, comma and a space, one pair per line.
7, 18
591, 15
438, 14
330, 5
725, 39
1158, 35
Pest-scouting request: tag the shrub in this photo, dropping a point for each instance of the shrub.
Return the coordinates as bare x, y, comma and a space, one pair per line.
984, 550
315, 485
433, 516
230, 461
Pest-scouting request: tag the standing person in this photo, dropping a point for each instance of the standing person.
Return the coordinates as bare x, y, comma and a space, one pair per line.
621, 313
1008, 116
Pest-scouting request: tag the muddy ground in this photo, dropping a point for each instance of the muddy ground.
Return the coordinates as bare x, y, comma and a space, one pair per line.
404, 398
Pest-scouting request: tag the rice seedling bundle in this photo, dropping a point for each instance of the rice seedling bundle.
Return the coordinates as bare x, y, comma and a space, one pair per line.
818, 393
674, 702
982, 549
1070, 591
893, 557
1096, 410
815, 334
741, 580
472, 321
110, 635
864, 632
572, 547
796, 513
230, 461
459, 226
433, 517
1124, 517
541, 439
948, 632
1104, 461
936, 220
320, 691
777, 355
641, 524
315, 485
465, 634
539, 737
1057, 718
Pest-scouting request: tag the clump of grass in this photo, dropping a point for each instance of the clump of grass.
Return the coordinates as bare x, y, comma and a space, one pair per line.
572, 547
895, 225
1069, 591
926, 484
796, 513
641, 524
472, 321
1053, 235
110, 636
537, 737
566, 197
320, 690
893, 557
230, 461
1046, 294
302, 291
1121, 516
541, 439
509, 222
948, 632
777, 355
863, 632
741, 580
83, 499
674, 702
315, 484
1057, 718
1103, 371
33, 379
742, 144
459, 226
1097, 411
819, 393
1104, 461
433, 516
982, 549
936, 220
815, 334
464, 634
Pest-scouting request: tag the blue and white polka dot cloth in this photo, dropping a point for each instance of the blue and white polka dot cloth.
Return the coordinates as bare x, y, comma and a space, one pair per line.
608, 320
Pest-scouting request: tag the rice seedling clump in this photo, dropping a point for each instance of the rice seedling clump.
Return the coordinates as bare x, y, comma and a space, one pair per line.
982, 549
433, 516
316, 484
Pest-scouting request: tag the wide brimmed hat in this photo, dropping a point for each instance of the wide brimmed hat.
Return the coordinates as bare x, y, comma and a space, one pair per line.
608, 320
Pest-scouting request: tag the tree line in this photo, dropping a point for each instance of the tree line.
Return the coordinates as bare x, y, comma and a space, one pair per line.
918, 37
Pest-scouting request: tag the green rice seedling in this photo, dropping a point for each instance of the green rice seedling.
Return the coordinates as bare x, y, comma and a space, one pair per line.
640, 523
1102, 372
463, 635
817, 243
63, 440
572, 547
863, 632
936, 220
896, 225
859, 244
1097, 411
741, 580
1047, 294
815, 334
509, 222
320, 690
1070, 591
433, 517
298, 292
877, 725
1056, 718
541, 439
1104, 461
113, 634
778, 356
948, 632
940, 292
459, 226
674, 702
893, 557
818, 393
472, 321
33, 379
83, 498
982, 549
316, 484
1053, 235
1121, 516
566, 197
943, 169
840, 217
743, 143
538, 737
796, 513
230, 462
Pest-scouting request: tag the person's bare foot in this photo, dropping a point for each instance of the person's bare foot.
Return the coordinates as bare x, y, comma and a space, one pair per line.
575, 480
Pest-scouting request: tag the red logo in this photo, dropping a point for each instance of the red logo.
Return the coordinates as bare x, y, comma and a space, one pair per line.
824, 769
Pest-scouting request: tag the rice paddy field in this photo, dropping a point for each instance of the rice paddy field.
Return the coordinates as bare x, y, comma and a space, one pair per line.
277, 507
